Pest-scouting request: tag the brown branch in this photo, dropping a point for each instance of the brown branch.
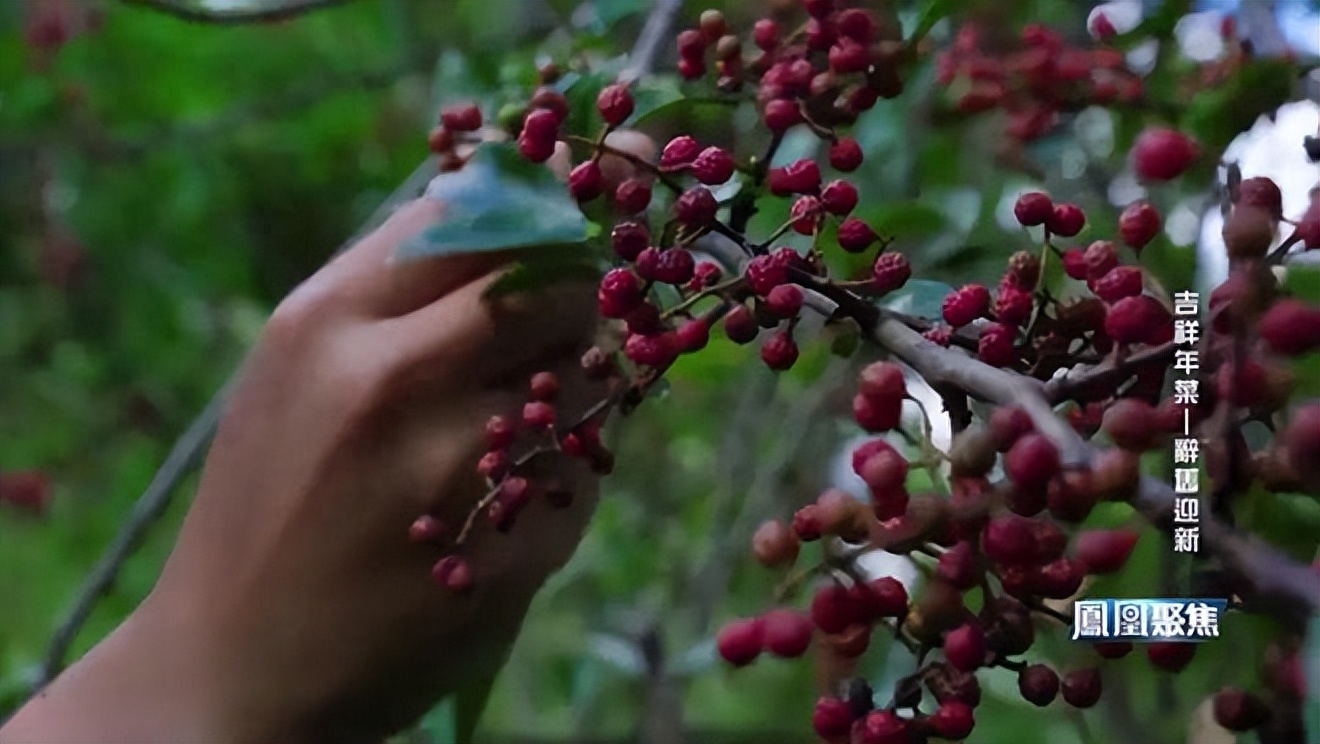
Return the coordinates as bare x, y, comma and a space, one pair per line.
235, 17
1108, 373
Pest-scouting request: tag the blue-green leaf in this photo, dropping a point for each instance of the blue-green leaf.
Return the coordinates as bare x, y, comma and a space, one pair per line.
499, 201
918, 297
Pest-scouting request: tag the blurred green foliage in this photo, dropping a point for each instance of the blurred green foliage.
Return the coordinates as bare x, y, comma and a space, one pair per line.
163, 184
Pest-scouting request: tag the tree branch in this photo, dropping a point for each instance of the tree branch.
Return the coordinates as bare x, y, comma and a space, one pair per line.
235, 16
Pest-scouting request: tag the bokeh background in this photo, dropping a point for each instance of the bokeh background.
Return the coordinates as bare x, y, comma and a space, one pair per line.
164, 182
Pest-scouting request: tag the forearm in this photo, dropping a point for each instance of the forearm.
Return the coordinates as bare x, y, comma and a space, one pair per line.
138, 685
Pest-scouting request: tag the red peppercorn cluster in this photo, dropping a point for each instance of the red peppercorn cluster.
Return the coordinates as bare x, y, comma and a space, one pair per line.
1033, 80
1010, 527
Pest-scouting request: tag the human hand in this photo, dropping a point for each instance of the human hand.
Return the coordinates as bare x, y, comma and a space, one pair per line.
294, 607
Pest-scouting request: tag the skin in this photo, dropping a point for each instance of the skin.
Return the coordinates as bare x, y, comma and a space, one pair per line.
293, 607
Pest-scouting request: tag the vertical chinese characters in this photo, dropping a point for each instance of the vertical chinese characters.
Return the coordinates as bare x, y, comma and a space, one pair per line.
1186, 448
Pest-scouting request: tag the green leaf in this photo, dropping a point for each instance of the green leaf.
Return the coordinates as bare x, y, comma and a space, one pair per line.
550, 265
935, 11
583, 119
499, 201
906, 220
919, 297
469, 704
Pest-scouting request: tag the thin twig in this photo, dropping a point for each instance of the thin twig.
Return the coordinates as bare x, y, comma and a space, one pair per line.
263, 13
148, 509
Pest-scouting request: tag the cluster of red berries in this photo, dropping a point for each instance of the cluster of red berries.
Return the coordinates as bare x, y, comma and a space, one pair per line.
836, 66
1034, 80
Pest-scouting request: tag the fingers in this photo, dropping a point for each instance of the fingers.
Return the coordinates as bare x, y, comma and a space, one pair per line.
486, 343
374, 282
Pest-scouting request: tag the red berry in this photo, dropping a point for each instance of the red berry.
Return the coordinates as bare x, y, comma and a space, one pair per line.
713, 166
1081, 688
691, 44
764, 273
1308, 227
856, 236
741, 641
787, 633
1074, 263
775, 545
651, 351
1008, 424
493, 464
1128, 424
538, 415
696, 207
799, 177
1131, 319
1302, 439
544, 387
1060, 578
691, 69
885, 472
847, 56
632, 195
781, 115
1008, 540
819, 8
1139, 224
629, 239
463, 117
953, 720
779, 352
1113, 649
426, 530
1238, 710
877, 415
675, 266
856, 24
1032, 462
680, 151
806, 215
966, 304
1245, 384
500, 431
1171, 657
740, 325
1033, 208
832, 718
1066, 220
866, 451
839, 197
784, 301
1013, 306
620, 293
996, 345
883, 597
1262, 193
846, 155
883, 381
1101, 258
1038, 684
535, 150
586, 181
881, 727
693, 335
891, 271
1162, 154
958, 567
615, 104
453, 573
1101, 27
964, 647
1291, 327
765, 34
1104, 551
834, 608
1120, 282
